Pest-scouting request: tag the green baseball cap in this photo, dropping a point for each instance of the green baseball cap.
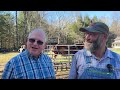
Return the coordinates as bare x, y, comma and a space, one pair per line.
99, 27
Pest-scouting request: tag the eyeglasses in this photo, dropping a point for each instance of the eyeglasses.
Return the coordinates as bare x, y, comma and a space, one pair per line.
33, 40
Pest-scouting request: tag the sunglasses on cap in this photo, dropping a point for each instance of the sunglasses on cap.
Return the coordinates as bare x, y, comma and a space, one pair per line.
33, 40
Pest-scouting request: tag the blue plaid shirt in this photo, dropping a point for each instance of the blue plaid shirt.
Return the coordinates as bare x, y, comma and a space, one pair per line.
79, 63
25, 66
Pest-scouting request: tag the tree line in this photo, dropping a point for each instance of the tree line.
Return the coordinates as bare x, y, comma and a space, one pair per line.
60, 28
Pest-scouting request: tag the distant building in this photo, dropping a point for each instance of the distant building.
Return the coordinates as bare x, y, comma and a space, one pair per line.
116, 43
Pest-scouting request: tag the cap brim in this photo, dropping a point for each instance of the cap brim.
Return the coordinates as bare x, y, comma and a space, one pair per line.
88, 30
83, 29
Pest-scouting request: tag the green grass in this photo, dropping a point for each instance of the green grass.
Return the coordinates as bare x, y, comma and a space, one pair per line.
4, 58
117, 50
61, 58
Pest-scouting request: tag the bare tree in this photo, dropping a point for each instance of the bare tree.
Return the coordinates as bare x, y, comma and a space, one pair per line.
16, 32
115, 26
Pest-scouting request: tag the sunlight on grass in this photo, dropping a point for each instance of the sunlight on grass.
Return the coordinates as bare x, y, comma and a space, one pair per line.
4, 58
7, 56
117, 50
59, 57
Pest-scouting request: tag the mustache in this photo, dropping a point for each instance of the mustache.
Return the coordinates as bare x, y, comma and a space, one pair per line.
93, 45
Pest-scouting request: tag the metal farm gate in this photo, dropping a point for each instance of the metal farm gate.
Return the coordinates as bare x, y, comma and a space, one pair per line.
61, 56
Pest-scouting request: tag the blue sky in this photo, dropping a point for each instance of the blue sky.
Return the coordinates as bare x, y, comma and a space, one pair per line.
89, 13
97, 13
52, 14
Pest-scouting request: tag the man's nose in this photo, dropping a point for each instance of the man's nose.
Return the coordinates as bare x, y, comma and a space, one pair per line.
35, 43
88, 36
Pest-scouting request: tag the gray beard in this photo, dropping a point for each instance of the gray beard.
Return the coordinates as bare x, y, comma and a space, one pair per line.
93, 46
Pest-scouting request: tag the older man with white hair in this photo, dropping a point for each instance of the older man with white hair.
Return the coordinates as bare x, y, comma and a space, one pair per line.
32, 63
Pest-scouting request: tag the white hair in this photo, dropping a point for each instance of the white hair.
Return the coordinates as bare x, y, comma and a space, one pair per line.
39, 30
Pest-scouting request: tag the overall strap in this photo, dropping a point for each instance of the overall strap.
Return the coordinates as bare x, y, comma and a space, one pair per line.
87, 58
113, 60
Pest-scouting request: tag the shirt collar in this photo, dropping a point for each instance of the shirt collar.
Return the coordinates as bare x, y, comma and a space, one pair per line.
87, 53
107, 54
31, 56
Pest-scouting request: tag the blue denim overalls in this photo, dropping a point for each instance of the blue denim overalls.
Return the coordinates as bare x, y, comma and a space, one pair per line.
98, 73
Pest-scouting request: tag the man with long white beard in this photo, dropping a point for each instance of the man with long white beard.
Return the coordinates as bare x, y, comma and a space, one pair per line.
95, 61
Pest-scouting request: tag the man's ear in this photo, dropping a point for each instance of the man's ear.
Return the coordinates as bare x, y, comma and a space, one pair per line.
106, 37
